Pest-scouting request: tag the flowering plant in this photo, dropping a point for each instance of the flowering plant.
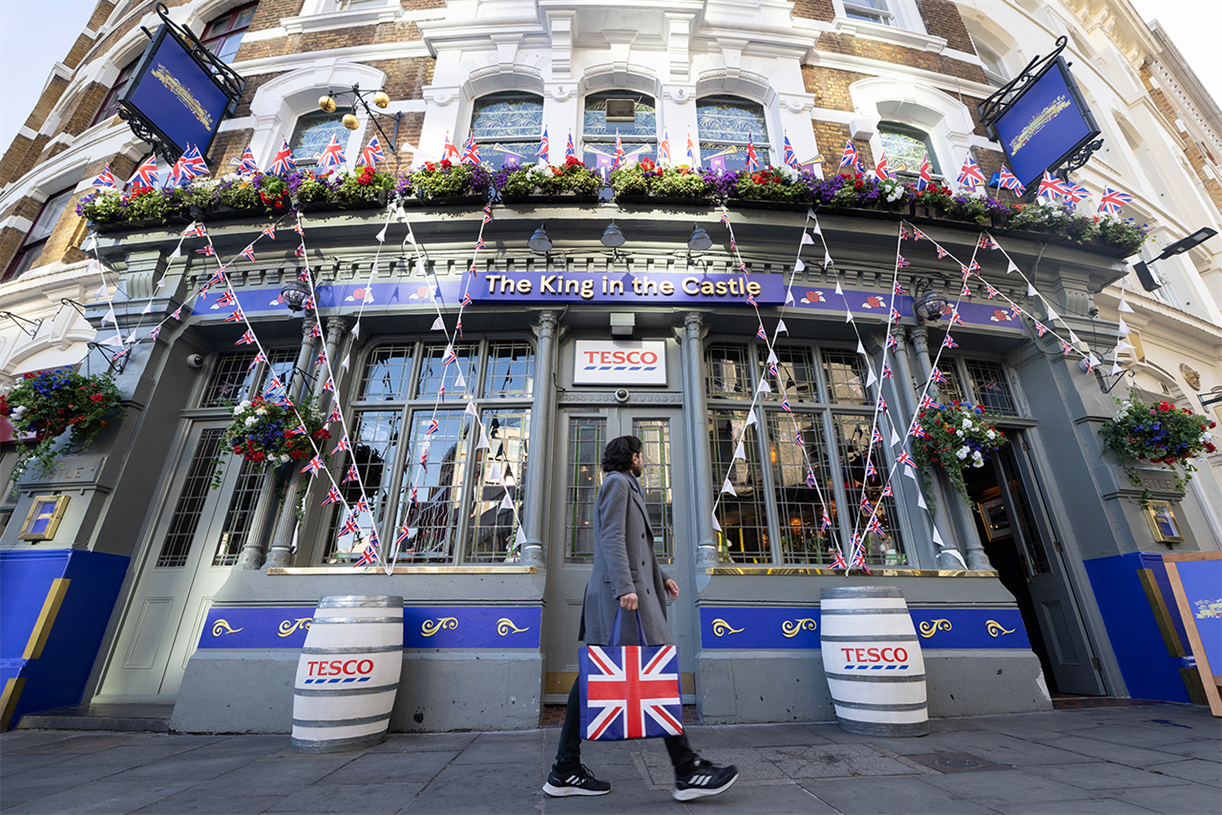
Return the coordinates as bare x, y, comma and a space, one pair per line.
667, 180
438, 179
266, 433
51, 403
572, 176
782, 183
958, 435
1160, 434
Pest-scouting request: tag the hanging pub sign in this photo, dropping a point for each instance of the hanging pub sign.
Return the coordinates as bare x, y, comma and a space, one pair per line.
1042, 120
179, 92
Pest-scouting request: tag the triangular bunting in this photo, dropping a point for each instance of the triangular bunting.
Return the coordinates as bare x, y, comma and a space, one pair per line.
726, 486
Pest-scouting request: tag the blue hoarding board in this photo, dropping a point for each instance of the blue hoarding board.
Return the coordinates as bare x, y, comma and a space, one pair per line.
175, 95
1047, 123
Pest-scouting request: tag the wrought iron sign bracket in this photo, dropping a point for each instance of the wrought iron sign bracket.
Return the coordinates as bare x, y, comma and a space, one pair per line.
1119, 378
229, 80
992, 108
22, 322
115, 363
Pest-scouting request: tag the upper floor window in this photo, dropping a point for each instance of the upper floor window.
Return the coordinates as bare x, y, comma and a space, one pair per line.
906, 147
874, 11
508, 127
36, 239
110, 103
224, 34
727, 124
630, 115
313, 133
995, 71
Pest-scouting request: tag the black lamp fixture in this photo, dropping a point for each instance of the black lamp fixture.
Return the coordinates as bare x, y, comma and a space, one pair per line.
327, 104
294, 294
1150, 278
927, 304
540, 242
612, 237
700, 240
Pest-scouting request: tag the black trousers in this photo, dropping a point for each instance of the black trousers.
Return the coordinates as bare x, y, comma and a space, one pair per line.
568, 754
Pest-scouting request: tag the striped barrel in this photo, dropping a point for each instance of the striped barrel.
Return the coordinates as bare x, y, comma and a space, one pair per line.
873, 661
348, 674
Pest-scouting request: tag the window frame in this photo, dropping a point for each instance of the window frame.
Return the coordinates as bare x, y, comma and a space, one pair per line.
609, 138
16, 268
223, 37
917, 134
110, 102
482, 141
309, 162
763, 146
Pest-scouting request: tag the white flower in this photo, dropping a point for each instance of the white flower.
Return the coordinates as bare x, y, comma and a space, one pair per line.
959, 433
962, 452
786, 171
260, 411
19, 411
967, 423
978, 463
284, 459
991, 435
250, 420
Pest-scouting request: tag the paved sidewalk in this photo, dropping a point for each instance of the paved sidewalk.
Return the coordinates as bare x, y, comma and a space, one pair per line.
1114, 760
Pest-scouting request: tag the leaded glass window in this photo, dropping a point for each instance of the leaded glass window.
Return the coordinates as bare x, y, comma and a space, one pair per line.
795, 374
952, 389
499, 473
430, 497
845, 375
906, 147
801, 508
741, 514
508, 127
989, 383
726, 369
587, 438
639, 137
313, 133
727, 124
864, 488
235, 376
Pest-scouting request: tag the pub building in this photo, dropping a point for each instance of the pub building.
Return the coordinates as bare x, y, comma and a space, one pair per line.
478, 388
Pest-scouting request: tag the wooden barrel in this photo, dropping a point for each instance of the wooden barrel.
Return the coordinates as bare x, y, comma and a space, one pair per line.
873, 661
348, 674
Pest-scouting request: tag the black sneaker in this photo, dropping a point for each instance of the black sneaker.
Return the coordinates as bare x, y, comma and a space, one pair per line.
704, 779
579, 782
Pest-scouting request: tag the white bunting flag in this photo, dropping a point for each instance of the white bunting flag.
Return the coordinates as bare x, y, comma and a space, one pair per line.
1092, 360
117, 339
483, 441
343, 363
356, 329
848, 316
827, 259
1116, 369
438, 325
726, 486
102, 291
422, 268
130, 339
147, 308
799, 266
789, 301
937, 537
810, 216
739, 452
772, 357
411, 238
780, 328
1123, 306
381, 236
1073, 338
91, 243
459, 382
496, 473
1122, 328
400, 214
1124, 346
472, 409
177, 253
1031, 292
839, 290
716, 526
764, 387
1010, 267
870, 378
920, 499
507, 502
110, 317
861, 349
519, 540
1052, 315
161, 282
750, 419
807, 239
955, 554
895, 437
911, 473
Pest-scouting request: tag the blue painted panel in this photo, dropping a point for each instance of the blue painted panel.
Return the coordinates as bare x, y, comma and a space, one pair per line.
796, 628
1150, 672
57, 678
423, 627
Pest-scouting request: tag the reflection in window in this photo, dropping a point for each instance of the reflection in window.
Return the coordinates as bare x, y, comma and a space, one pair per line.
387, 372
864, 492
430, 494
844, 373
223, 36
874, 11
906, 148
801, 508
499, 476
992, 390
796, 369
638, 136
995, 71
726, 367
726, 123
236, 377
110, 103
508, 128
952, 389
655, 481
744, 523
241, 514
587, 437
436, 372
509, 370
373, 452
313, 133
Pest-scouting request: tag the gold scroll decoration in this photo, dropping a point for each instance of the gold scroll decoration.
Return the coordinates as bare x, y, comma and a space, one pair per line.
221, 626
505, 626
430, 627
930, 627
790, 628
289, 626
995, 628
721, 628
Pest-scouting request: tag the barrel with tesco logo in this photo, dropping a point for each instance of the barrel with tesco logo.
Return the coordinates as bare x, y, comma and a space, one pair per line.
873, 661
348, 674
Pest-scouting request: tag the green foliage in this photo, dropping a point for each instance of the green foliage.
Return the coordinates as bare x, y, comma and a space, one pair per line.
1160, 434
958, 436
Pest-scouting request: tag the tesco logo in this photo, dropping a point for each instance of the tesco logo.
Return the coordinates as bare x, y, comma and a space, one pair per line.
875, 659
621, 357
338, 670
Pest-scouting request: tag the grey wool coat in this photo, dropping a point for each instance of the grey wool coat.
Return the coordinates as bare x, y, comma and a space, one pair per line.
624, 562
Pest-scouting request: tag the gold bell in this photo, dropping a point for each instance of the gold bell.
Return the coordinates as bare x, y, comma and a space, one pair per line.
326, 104
381, 99
351, 122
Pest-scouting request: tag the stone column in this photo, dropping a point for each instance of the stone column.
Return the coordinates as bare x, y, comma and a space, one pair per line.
281, 551
956, 507
695, 414
542, 412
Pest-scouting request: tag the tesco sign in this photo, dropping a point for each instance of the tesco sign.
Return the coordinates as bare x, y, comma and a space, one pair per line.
619, 362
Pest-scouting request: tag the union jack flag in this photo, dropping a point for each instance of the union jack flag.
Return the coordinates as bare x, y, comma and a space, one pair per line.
1076, 193
329, 385
691, 150
1113, 200
246, 339
880, 168
193, 163
471, 154
790, 157
344, 444
433, 427
904, 233
299, 430
761, 333
569, 150
372, 153
1008, 181
826, 523
886, 371
351, 475
664, 149
249, 253
313, 466
270, 232
785, 404
970, 174
941, 252
810, 478
369, 555
618, 158
891, 342
965, 291
177, 315
898, 288
926, 176
145, 175
905, 459
990, 291
316, 331
247, 164
1040, 328
926, 404
900, 263
466, 300
849, 157
479, 243
1015, 310
725, 219
335, 415
283, 161
404, 534
321, 359
866, 506
195, 231
871, 471
283, 401
1066, 347
487, 214
630, 692
449, 356
772, 369
300, 252
259, 357
918, 432
217, 279
333, 496
949, 342
838, 561
882, 404
156, 332
272, 386
332, 156
448, 151
350, 527
955, 319
227, 298
1051, 186
876, 437
236, 317
894, 316
544, 146
938, 376
206, 251
876, 527
887, 493
362, 505
753, 162
917, 234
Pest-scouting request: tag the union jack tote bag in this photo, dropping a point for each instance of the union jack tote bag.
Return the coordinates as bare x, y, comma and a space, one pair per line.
630, 691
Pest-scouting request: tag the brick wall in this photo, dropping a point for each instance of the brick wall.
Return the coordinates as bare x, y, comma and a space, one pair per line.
226, 146
10, 237
942, 19
830, 138
81, 110
1193, 152
814, 10
898, 55
406, 78
830, 87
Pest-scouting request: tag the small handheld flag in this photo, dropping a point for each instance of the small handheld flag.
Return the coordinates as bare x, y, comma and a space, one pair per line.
372, 153
544, 146
283, 162
146, 174
332, 157
849, 158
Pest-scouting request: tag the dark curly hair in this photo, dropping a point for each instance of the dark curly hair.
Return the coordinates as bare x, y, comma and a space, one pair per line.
617, 458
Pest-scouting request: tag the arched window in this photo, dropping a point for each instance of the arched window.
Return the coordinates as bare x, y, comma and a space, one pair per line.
313, 132
508, 127
906, 147
631, 115
110, 104
36, 239
726, 125
224, 34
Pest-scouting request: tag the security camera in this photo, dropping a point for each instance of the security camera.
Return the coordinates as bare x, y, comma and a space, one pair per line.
622, 395
195, 361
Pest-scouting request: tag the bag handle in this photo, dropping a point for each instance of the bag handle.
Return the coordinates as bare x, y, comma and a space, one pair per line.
615, 627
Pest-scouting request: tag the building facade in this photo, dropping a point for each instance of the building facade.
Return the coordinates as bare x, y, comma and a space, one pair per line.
476, 406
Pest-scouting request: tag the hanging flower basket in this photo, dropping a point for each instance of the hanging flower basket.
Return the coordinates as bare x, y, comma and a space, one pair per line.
1160, 434
49, 404
271, 434
956, 436
571, 182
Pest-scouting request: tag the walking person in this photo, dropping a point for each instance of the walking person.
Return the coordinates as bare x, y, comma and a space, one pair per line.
626, 576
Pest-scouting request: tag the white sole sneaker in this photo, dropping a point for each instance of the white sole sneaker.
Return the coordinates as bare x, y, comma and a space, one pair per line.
692, 793
565, 792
